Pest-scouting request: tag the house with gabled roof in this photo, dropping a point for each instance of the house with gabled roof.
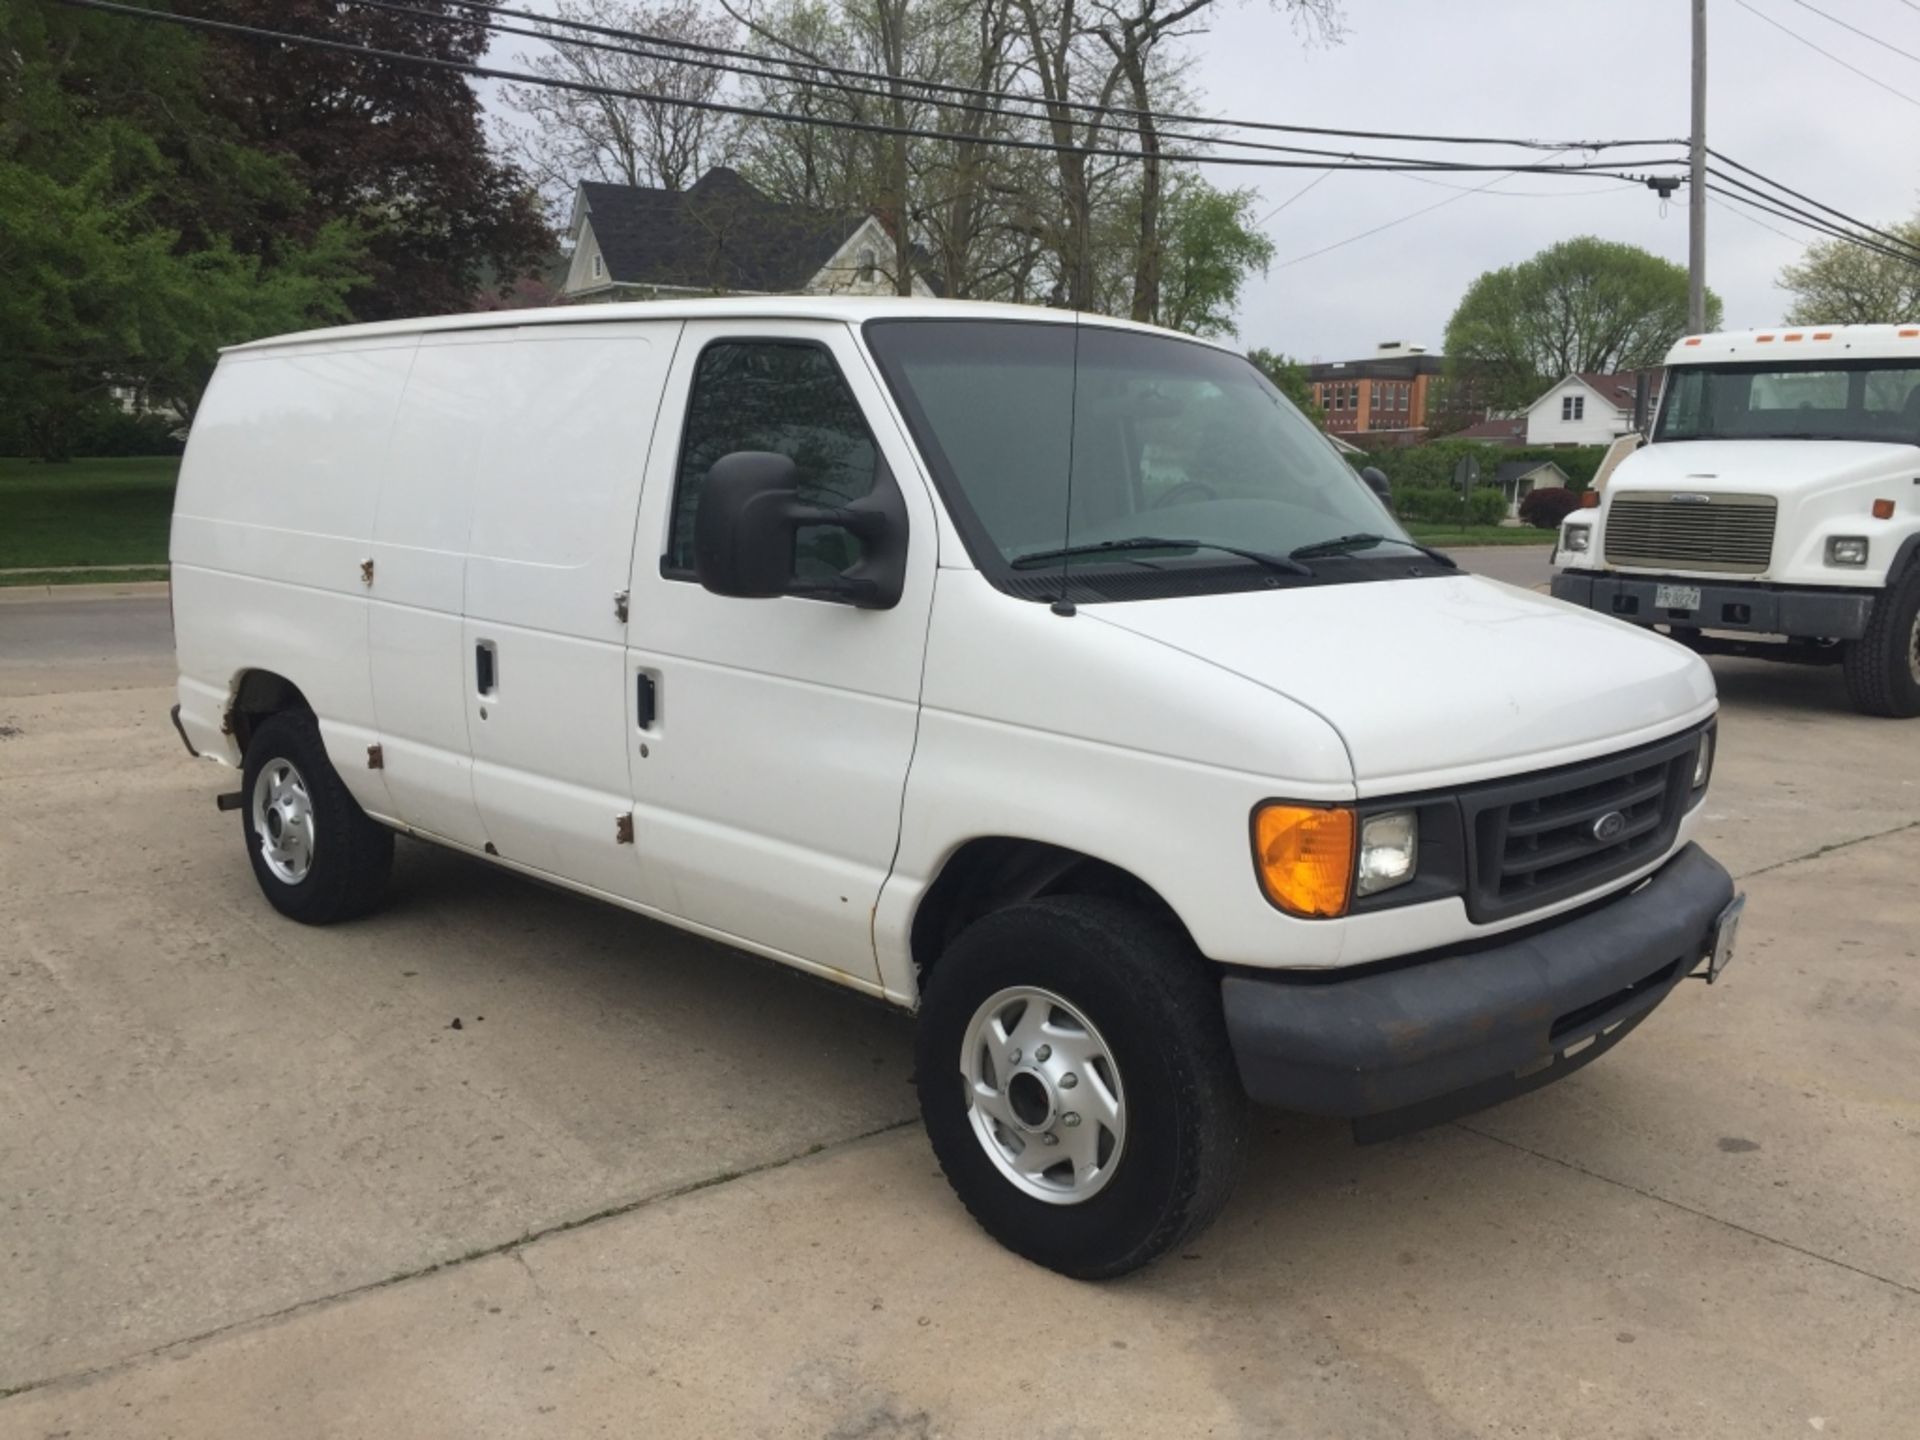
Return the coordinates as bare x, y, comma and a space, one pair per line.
721, 236
1592, 409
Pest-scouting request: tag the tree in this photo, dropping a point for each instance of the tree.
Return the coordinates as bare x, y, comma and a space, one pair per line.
1836, 283
113, 177
1583, 305
1289, 377
1212, 246
574, 136
397, 151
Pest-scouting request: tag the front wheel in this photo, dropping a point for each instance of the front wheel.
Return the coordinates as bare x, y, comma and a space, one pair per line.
317, 856
1883, 666
1077, 1083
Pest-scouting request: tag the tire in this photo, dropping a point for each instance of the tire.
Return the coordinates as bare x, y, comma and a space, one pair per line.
1158, 1043
317, 856
1883, 666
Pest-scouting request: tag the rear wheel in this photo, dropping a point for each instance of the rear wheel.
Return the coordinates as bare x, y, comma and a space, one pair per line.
317, 856
1883, 666
1077, 1083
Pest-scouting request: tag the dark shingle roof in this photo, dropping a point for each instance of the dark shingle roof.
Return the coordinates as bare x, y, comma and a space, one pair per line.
722, 234
1516, 469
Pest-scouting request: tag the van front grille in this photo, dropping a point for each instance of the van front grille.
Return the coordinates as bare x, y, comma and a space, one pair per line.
1689, 530
1547, 837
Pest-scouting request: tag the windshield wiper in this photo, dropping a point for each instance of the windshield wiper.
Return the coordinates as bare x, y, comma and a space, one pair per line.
1283, 563
1366, 540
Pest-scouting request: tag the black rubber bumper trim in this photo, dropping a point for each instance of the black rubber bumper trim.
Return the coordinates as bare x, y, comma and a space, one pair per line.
182, 730
1790, 610
1400, 1049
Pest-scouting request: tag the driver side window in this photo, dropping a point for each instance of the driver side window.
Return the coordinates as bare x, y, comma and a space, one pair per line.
788, 397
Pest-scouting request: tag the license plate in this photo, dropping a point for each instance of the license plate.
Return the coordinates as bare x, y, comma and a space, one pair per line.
1724, 931
1676, 597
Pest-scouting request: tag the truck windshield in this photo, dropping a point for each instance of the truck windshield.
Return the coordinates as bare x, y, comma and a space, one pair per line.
1817, 400
1151, 437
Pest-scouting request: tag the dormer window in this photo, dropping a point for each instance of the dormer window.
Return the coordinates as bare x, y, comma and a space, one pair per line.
597, 266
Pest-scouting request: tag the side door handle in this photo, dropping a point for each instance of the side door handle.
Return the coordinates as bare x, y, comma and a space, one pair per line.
646, 700
485, 669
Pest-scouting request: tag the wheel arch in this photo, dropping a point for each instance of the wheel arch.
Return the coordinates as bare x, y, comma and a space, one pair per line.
256, 694
991, 872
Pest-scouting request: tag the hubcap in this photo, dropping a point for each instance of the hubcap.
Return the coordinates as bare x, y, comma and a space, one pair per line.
1044, 1095
283, 821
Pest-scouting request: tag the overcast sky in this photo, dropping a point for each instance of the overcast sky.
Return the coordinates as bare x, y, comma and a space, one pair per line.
1543, 69
1550, 69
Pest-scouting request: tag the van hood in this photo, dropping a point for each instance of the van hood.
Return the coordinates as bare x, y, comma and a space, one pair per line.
1440, 681
1766, 467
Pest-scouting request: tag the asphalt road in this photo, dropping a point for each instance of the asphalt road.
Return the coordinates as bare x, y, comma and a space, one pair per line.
256, 1184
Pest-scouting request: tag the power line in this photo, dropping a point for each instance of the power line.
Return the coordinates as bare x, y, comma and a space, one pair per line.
489, 72
1863, 34
1795, 34
1822, 227
1771, 230
1364, 234
1886, 235
727, 52
846, 87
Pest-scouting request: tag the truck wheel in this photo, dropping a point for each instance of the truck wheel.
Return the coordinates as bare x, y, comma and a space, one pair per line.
317, 856
1883, 666
1077, 1083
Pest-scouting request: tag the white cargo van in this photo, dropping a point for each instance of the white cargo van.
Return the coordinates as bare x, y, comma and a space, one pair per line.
1776, 512
1049, 676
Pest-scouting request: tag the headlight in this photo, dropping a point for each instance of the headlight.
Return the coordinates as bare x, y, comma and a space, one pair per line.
1304, 854
1846, 550
1389, 847
1703, 760
1577, 539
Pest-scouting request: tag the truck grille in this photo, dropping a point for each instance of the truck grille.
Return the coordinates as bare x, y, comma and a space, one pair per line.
1542, 839
1653, 530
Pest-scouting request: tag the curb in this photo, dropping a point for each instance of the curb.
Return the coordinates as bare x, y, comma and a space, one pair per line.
36, 594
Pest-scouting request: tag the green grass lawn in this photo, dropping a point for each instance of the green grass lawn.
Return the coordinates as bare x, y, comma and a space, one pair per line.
86, 512
1444, 535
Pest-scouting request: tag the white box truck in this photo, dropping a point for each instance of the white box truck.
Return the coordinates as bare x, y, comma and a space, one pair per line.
1776, 511
1049, 676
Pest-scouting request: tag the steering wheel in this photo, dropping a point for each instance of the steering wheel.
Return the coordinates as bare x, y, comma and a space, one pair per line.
1185, 490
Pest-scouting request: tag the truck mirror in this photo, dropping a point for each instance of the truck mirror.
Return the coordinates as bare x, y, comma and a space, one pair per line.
1378, 483
750, 512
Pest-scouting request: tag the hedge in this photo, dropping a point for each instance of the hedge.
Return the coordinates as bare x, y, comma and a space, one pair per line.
1441, 505
1432, 465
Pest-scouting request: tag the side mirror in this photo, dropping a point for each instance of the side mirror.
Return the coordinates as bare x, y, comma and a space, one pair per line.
750, 513
1378, 483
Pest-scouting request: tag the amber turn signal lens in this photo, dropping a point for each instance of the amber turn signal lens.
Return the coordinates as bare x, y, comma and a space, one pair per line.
1305, 858
1883, 509
1589, 499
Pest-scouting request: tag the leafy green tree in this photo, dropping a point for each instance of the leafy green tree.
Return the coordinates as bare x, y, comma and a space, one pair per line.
1835, 283
116, 284
1212, 245
1289, 377
1582, 305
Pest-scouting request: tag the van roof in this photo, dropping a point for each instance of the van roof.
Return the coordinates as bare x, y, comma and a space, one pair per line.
843, 308
1787, 344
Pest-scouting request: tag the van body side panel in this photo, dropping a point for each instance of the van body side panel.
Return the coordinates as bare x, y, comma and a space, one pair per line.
544, 651
415, 634
768, 808
271, 524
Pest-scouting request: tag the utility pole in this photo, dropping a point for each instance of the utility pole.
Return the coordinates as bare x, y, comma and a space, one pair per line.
1697, 180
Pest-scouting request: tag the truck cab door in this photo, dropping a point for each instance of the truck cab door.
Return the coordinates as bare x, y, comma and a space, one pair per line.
772, 736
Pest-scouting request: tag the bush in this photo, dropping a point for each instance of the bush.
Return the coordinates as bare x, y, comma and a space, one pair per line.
1441, 505
1545, 508
1433, 464
96, 428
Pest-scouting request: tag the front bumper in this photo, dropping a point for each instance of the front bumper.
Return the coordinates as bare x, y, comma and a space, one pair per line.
1801, 612
1412, 1046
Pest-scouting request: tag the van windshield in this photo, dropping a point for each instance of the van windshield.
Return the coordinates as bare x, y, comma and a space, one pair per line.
1048, 437
1817, 400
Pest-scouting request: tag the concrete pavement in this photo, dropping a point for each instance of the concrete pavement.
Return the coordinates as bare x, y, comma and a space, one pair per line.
255, 1183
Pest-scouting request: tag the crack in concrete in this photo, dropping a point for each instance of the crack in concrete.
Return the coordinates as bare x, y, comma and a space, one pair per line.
484, 1252
1681, 1205
1829, 849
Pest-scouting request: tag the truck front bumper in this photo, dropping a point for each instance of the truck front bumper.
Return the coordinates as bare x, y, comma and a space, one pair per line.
1400, 1049
1798, 611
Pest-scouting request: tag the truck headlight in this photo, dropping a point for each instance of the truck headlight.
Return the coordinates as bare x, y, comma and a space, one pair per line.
1847, 550
1389, 848
1577, 539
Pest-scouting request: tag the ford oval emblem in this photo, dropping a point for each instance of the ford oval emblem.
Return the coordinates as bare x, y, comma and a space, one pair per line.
1609, 827
1689, 498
